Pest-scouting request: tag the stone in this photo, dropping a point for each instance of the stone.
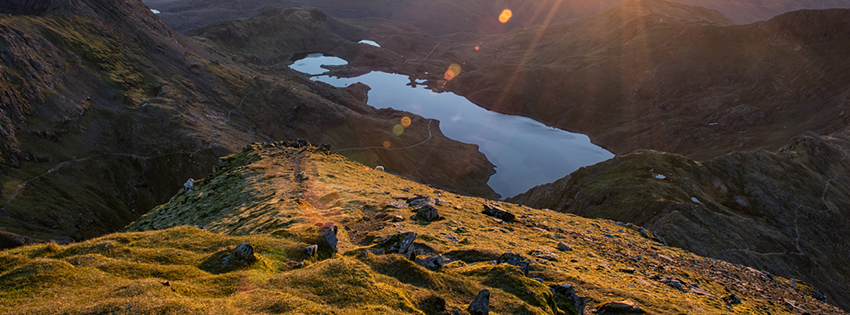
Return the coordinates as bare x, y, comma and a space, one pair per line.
189, 185
700, 291
499, 213
302, 177
428, 213
379, 168
480, 304
627, 270
545, 254
731, 300
420, 201
311, 250
619, 307
397, 218
401, 243
398, 204
676, 284
241, 255
820, 296
516, 260
434, 263
567, 292
564, 247
666, 258
328, 234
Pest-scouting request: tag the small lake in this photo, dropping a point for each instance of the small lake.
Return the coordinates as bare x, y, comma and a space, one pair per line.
526, 153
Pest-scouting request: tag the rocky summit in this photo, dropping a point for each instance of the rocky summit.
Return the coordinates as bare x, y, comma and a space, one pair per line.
283, 228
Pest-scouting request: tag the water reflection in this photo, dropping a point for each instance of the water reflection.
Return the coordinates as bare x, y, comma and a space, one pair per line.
526, 153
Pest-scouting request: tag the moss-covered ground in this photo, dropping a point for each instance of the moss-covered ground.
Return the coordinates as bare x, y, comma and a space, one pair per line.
276, 198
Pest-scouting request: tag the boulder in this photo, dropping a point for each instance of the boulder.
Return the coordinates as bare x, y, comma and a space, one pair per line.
311, 250
564, 247
619, 307
328, 235
480, 304
401, 243
731, 299
398, 204
564, 293
676, 284
516, 260
499, 213
241, 255
433, 263
428, 213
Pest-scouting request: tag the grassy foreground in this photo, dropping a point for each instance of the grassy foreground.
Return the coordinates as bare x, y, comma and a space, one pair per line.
276, 198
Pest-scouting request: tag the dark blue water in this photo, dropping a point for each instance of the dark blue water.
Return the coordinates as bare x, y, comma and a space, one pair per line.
526, 153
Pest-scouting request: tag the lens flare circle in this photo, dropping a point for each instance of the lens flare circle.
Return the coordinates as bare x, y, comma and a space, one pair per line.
386, 144
405, 122
398, 130
505, 16
452, 72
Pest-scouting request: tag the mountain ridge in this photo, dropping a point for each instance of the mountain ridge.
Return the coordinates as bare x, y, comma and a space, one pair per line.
787, 204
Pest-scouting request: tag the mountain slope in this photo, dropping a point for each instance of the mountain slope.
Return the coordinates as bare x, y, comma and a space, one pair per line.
784, 212
633, 80
452, 16
280, 197
106, 112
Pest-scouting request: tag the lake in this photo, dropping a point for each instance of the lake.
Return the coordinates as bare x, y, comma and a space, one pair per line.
526, 153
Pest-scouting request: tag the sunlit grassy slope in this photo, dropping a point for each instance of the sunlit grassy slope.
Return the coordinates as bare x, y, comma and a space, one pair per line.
276, 197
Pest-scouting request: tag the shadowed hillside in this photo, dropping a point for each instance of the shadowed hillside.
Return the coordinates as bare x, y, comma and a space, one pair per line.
106, 112
784, 212
644, 76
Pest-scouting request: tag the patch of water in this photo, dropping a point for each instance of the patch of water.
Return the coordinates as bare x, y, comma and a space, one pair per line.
155, 11
369, 42
526, 153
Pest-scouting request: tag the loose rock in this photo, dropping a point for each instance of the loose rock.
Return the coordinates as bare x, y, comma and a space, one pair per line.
619, 307
516, 260
564, 247
241, 255
567, 292
674, 283
433, 263
545, 254
480, 304
328, 234
499, 213
428, 213
401, 243
398, 204
731, 300
311, 250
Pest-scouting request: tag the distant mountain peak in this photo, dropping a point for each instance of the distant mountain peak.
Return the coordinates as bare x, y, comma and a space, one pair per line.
670, 10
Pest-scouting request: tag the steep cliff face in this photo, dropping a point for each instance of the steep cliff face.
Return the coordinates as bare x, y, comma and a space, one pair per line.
784, 212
